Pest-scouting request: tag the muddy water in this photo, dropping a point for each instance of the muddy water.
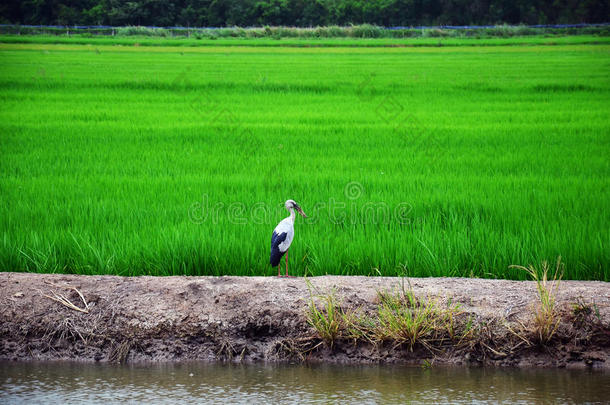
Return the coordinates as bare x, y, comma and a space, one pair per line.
199, 383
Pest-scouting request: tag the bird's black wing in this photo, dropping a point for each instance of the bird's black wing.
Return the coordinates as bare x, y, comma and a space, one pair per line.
276, 255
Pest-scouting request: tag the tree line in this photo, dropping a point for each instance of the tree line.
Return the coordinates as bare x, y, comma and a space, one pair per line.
301, 13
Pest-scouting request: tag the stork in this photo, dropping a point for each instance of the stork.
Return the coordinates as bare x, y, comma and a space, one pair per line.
283, 235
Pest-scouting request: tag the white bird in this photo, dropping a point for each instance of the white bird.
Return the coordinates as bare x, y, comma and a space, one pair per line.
283, 235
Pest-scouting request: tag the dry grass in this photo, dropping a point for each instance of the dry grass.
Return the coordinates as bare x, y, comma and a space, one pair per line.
62, 299
120, 352
293, 348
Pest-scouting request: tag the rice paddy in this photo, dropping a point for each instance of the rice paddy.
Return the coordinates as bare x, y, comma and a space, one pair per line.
419, 161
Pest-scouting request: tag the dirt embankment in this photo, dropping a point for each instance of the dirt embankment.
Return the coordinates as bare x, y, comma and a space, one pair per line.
265, 319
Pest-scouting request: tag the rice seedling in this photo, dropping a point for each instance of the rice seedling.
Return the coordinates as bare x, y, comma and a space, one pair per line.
320, 38
410, 161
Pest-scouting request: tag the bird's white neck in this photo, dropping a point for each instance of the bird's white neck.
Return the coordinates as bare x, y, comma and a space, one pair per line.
292, 215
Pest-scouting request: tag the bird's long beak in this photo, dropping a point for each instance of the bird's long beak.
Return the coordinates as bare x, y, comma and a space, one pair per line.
301, 211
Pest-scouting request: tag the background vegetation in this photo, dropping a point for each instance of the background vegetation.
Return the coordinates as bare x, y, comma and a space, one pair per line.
277, 33
425, 161
302, 13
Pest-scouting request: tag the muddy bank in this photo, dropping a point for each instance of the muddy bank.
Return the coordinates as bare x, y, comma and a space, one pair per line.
264, 319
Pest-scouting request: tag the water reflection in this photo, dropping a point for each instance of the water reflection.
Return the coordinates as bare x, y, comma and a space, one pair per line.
197, 383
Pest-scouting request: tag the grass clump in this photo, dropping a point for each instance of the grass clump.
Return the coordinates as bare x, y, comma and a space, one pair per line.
142, 31
546, 314
366, 31
582, 311
405, 319
329, 321
400, 319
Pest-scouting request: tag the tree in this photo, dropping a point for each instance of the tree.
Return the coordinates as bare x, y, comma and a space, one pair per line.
220, 13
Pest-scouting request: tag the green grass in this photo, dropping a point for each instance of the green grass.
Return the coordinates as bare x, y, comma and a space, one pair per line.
424, 161
304, 42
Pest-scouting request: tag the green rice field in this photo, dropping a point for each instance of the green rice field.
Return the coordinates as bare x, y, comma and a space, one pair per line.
420, 160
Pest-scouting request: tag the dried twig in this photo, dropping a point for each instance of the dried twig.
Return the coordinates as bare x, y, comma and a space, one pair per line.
497, 353
521, 336
62, 299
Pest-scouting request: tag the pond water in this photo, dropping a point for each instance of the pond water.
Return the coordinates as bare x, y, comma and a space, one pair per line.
59, 382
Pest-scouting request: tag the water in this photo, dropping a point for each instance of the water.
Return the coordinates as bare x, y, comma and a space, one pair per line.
71, 383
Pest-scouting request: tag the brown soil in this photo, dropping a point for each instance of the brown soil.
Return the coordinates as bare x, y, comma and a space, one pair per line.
250, 319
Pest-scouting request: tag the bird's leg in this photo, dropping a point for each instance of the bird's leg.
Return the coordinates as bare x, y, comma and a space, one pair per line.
278, 270
287, 267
